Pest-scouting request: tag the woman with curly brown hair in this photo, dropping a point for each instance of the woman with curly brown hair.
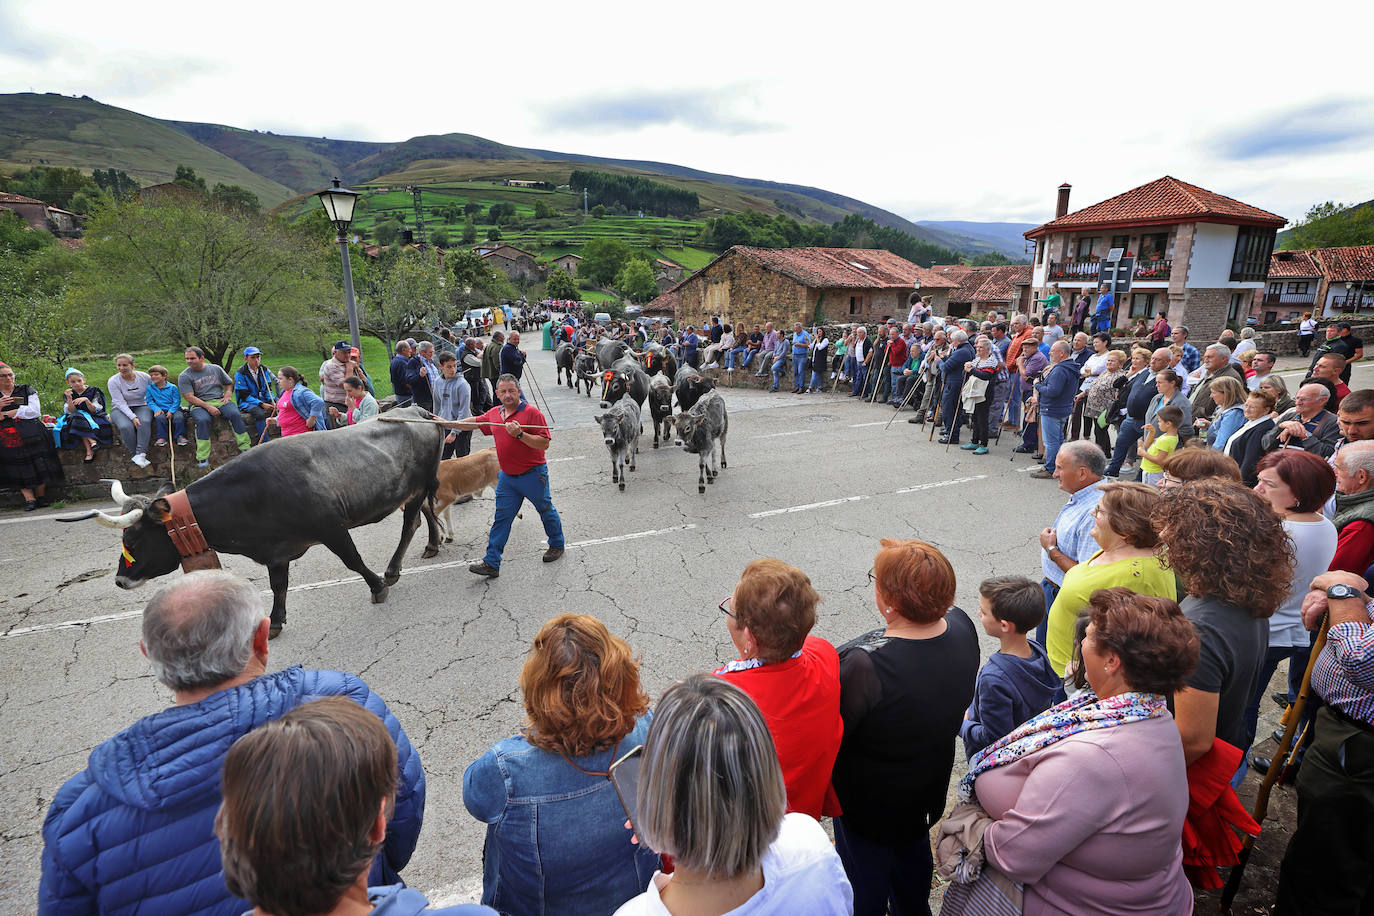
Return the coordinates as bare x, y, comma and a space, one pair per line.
556, 837
1235, 561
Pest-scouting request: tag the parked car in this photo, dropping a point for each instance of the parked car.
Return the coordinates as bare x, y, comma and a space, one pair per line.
602, 318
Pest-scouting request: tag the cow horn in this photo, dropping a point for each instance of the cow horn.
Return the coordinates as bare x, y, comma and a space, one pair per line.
116, 490
119, 521
78, 518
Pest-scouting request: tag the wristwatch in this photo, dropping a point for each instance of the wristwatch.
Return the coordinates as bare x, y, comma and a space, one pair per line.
520, 435
1341, 590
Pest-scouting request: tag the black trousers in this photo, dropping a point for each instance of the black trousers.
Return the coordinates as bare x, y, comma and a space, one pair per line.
980, 421
1329, 865
459, 447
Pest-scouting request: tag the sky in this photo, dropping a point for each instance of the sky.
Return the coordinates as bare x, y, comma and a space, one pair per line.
975, 110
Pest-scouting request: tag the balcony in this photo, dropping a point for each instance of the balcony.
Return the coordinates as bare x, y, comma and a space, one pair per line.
1153, 269
1295, 300
1074, 271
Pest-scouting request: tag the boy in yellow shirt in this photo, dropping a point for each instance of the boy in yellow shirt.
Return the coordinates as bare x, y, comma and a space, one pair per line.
1155, 449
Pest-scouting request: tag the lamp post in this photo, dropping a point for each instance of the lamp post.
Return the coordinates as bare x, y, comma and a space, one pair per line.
338, 205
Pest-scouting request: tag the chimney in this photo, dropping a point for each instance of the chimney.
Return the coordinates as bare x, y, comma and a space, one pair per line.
1062, 207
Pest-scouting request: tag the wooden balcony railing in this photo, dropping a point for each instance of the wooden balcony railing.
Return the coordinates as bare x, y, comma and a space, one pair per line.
1273, 300
1154, 269
1072, 271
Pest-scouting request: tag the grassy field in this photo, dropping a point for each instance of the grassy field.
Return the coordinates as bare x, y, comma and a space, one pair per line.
98, 367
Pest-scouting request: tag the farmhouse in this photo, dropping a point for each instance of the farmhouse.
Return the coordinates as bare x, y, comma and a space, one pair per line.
513, 262
1198, 254
1005, 288
40, 216
568, 263
752, 285
1324, 281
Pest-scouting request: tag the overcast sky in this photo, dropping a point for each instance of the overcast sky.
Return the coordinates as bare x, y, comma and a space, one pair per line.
976, 110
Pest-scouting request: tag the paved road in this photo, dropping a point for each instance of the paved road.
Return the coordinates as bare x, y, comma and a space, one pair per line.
815, 480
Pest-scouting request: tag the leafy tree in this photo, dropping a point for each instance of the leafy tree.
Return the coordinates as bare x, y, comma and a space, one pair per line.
542, 210
602, 260
1333, 225
472, 208
234, 197
187, 178
53, 185
493, 234
635, 192
475, 282
402, 292
560, 285
635, 281
115, 183
40, 336
176, 274
317, 225
501, 213
16, 235
598, 212
451, 213
385, 232
469, 232
439, 237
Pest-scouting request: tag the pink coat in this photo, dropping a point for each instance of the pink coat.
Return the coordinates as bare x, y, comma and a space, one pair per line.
1092, 824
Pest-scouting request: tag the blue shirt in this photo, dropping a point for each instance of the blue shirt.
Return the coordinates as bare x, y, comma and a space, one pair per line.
1071, 527
1191, 357
801, 341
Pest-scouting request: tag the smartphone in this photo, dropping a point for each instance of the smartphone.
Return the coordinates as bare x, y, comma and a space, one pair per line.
625, 777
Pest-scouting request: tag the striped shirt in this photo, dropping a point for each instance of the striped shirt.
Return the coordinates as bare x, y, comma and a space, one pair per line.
1071, 529
1344, 673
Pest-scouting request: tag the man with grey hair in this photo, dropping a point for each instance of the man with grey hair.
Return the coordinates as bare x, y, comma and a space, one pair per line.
420, 371
1216, 362
952, 368
1054, 394
1307, 425
1354, 515
134, 831
1078, 467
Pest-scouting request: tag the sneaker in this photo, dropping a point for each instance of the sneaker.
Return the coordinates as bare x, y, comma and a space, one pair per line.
141, 460
729, 368
160, 443
553, 553
484, 568
832, 375
203, 464
1042, 474
969, 446
183, 441
981, 450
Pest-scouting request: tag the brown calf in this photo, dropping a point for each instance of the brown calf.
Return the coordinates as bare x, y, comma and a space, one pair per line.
459, 477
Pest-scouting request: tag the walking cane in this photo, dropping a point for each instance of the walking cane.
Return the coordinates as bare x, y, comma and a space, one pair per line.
906, 400
1291, 717
539, 393
172, 448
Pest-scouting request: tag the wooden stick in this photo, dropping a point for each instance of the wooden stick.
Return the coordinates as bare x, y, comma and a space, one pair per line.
438, 422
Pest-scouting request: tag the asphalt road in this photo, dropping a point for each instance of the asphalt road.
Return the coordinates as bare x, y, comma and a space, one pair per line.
815, 480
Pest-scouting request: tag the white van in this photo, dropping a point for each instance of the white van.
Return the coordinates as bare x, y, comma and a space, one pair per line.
602, 318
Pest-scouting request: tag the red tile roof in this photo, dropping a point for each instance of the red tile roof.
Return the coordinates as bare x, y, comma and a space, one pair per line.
7, 198
1299, 263
1348, 265
989, 284
844, 268
1165, 200
665, 304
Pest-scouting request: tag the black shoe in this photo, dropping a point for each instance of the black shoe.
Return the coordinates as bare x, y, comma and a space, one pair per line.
1038, 456
1262, 764
30, 505
42, 503
1021, 450
1277, 736
1287, 777
484, 569
916, 420
553, 553
1280, 698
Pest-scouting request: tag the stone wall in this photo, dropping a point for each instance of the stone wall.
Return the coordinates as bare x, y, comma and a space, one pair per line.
83, 481
742, 292
1285, 342
1203, 312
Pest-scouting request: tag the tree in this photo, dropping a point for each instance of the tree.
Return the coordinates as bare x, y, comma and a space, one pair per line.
16, 235
385, 232
635, 281
598, 212
234, 197
40, 336
560, 285
439, 237
115, 183
178, 274
472, 208
402, 292
501, 213
542, 210
451, 213
475, 282
469, 232
1333, 225
187, 178
602, 260
493, 234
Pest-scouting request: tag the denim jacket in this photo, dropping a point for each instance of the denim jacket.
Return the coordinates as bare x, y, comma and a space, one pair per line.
556, 838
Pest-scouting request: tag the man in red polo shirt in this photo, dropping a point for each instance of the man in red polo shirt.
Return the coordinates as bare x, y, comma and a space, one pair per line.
521, 437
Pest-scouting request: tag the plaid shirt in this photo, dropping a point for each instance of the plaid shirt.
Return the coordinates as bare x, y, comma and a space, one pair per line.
1344, 673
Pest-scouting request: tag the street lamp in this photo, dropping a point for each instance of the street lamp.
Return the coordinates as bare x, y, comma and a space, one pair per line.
338, 205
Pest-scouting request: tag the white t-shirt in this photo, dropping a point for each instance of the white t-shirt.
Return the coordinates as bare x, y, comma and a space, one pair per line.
1314, 544
801, 874
1095, 366
1245, 346
1053, 333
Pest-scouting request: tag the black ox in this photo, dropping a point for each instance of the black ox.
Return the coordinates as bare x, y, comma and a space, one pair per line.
690, 387
624, 377
278, 500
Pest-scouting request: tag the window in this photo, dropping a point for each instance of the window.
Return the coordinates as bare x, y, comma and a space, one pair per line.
1275, 288
1238, 301
856, 304
1154, 247
1142, 305
1297, 286
1271, 317
1040, 251
1121, 241
1087, 248
1254, 245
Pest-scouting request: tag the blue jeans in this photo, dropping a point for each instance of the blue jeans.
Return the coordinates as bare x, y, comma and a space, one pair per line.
135, 438
778, 370
816, 380
881, 875
1051, 592
849, 364
733, 355
951, 412
895, 388
1126, 439
227, 412
178, 424
1052, 429
511, 492
799, 364
859, 374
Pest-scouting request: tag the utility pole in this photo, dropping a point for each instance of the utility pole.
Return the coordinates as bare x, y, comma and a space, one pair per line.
584, 202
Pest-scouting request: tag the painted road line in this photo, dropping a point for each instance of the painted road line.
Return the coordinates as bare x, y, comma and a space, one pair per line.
874, 423
568, 458
330, 583
794, 432
940, 483
820, 505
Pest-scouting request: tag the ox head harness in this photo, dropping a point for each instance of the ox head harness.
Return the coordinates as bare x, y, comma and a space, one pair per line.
186, 535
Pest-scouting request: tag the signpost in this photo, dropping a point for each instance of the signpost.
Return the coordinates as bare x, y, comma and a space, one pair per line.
1116, 273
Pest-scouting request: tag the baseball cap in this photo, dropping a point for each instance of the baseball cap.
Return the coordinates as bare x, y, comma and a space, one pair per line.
251, 351
343, 345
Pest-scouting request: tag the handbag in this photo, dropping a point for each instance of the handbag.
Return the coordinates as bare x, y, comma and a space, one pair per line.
977, 887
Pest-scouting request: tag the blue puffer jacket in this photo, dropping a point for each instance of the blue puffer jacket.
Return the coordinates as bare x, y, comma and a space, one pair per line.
134, 831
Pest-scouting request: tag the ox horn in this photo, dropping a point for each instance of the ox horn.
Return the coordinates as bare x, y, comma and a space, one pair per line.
119, 521
116, 490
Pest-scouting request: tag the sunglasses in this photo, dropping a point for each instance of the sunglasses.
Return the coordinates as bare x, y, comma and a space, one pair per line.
725, 607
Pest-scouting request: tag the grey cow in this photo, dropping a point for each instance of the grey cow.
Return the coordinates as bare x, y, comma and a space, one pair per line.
699, 430
620, 428
661, 406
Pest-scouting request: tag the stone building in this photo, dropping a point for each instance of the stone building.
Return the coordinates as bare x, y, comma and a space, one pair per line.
1195, 253
515, 263
1005, 288
568, 263
811, 285
40, 216
1324, 281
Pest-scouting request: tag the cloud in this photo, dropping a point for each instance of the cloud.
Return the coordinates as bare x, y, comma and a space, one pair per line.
1325, 126
717, 111
16, 41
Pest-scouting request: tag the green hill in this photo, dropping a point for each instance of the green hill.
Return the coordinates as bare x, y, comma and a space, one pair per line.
85, 134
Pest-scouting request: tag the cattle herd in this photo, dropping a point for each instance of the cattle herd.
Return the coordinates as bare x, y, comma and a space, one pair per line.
629, 379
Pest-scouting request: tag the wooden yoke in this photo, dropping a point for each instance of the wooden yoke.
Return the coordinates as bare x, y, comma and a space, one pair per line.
187, 537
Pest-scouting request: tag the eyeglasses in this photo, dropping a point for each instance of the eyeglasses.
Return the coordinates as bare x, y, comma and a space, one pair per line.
725, 607
872, 579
